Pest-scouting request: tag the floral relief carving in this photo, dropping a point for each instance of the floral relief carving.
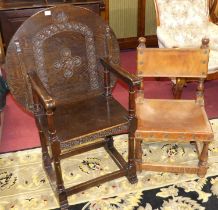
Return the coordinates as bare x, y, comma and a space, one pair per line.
60, 17
85, 139
66, 59
67, 62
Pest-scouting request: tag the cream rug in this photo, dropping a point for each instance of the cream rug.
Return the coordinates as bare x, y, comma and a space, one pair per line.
24, 186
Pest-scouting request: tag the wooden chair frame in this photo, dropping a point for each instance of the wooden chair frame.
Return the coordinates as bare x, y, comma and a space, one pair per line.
161, 63
41, 96
73, 113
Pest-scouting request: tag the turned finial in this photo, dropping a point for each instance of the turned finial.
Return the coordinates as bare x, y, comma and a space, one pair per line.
205, 43
142, 41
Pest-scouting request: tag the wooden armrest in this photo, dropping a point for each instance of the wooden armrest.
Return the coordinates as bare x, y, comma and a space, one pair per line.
37, 86
130, 79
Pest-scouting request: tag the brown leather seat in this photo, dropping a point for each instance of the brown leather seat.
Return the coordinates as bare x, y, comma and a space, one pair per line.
169, 119
160, 119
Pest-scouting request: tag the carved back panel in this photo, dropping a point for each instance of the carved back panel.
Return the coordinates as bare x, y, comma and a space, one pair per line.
63, 46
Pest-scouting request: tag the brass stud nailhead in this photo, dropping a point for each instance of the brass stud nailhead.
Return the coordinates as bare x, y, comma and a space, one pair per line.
151, 135
193, 137
166, 136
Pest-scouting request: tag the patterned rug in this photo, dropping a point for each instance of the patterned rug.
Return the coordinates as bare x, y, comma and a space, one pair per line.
200, 194
24, 186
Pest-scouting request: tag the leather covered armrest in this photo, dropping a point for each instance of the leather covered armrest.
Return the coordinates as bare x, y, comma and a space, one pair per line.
37, 86
130, 79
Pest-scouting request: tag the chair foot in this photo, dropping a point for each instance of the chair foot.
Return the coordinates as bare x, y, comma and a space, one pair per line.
132, 179
202, 172
203, 165
138, 155
131, 174
202, 169
62, 198
201, 175
65, 206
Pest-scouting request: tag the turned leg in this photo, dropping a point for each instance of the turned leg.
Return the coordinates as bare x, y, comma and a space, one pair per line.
203, 160
45, 155
39, 114
178, 88
61, 192
132, 177
56, 151
138, 154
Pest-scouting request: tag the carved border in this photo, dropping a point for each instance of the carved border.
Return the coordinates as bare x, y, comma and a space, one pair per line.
91, 137
53, 29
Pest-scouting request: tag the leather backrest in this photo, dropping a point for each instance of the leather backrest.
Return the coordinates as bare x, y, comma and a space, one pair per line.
174, 62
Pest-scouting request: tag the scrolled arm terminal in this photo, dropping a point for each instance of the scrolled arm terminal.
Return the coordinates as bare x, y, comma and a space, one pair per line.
47, 101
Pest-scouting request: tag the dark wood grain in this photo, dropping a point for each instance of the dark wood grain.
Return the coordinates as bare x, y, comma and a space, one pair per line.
73, 46
14, 13
54, 69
